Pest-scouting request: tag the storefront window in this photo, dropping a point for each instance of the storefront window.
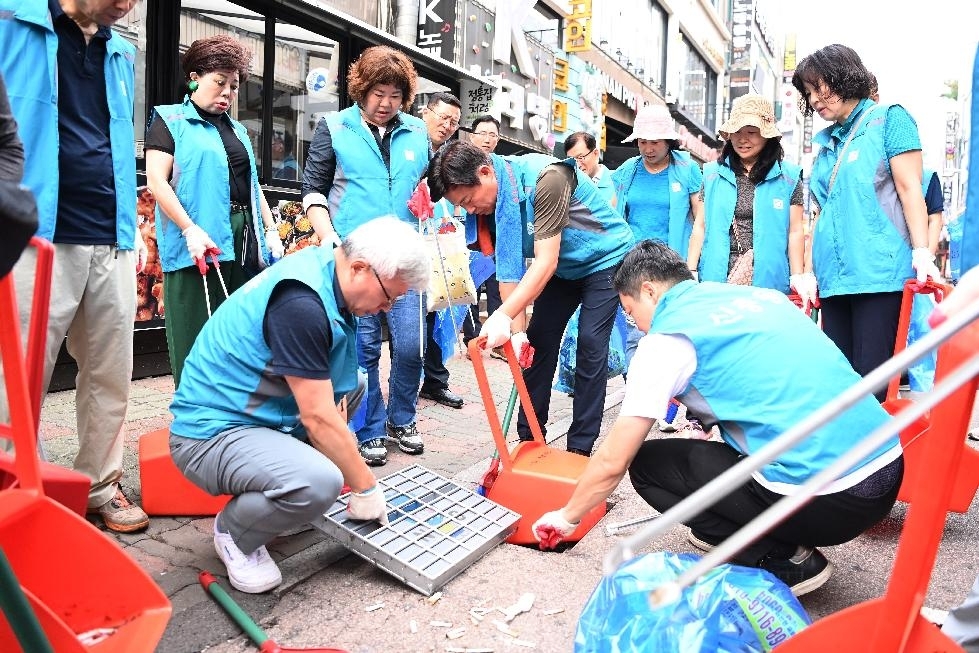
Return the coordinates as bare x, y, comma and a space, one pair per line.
640, 51
698, 83
305, 82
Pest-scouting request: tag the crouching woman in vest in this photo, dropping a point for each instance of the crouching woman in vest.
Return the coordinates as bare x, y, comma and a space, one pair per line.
201, 169
721, 349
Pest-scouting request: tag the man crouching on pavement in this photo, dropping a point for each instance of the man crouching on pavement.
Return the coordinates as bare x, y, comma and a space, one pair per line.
748, 361
272, 376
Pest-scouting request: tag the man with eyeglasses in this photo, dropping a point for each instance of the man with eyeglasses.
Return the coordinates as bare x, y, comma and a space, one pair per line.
441, 117
583, 148
273, 433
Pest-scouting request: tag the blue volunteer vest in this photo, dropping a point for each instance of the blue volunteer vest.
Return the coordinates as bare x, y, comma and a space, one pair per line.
596, 237
363, 187
770, 217
225, 380
29, 65
860, 243
202, 182
762, 366
684, 173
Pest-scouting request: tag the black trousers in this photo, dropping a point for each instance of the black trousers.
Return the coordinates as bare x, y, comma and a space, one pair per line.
552, 311
436, 375
864, 327
666, 471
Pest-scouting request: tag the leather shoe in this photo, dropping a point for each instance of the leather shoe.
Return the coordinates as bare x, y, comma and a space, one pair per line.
442, 396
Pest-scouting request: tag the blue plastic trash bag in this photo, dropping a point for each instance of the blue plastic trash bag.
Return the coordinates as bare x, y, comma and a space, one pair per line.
921, 375
568, 354
448, 324
731, 609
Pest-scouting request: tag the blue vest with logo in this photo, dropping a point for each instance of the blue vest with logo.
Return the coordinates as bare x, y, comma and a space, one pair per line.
29, 65
363, 187
596, 237
202, 181
684, 175
751, 344
226, 382
860, 243
770, 218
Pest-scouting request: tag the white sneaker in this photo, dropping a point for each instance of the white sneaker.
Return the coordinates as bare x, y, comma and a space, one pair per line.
254, 573
665, 427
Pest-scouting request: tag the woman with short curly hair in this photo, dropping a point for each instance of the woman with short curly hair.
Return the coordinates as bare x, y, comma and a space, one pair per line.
365, 162
201, 168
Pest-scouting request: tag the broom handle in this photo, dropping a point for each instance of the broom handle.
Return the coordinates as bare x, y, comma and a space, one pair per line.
13, 603
511, 404
234, 611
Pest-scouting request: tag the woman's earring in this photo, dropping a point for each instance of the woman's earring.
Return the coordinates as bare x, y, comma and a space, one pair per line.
192, 85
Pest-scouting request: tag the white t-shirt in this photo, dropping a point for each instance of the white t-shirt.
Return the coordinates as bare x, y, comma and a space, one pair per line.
661, 367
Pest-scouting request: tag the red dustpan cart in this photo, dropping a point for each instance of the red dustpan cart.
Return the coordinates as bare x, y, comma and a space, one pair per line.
893, 622
918, 477
87, 594
534, 477
66, 486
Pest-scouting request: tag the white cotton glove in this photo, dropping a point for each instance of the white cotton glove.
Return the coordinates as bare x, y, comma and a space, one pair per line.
496, 329
274, 243
552, 528
141, 251
805, 286
923, 263
198, 242
518, 341
368, 505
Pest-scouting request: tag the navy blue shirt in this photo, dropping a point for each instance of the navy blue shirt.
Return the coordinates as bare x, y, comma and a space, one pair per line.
87, 192
935, 197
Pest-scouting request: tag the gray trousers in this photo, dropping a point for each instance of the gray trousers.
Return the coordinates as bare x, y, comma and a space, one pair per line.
278, 480
962, 623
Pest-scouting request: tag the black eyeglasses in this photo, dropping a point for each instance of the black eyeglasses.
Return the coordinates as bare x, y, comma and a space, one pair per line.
453, 122
581, 157
486, 134
383, 289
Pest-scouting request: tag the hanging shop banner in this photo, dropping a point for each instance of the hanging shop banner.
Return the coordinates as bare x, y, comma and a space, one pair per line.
436, 27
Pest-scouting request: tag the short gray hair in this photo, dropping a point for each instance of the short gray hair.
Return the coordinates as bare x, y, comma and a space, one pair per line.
393, 248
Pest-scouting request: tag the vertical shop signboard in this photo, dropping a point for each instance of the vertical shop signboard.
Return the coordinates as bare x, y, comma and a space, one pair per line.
742, 17
577, 27
517, 71
436, 28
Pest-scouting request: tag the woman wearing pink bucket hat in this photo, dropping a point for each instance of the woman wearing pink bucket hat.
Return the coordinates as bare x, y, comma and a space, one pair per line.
659, 190
753, 231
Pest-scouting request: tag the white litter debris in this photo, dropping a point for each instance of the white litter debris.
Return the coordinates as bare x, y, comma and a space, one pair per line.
456, 633
413, 626
522, 642
376, 606
440, 624
505, 629
523, 604
553, 611
434, 598
456, 649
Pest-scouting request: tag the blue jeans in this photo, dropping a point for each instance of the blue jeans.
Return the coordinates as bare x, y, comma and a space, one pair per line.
407, 327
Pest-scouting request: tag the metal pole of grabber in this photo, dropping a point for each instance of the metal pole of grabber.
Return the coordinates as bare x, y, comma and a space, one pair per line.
738, 474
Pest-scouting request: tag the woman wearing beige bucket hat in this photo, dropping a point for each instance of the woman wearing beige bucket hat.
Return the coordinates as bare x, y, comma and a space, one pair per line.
659, 190
753, 230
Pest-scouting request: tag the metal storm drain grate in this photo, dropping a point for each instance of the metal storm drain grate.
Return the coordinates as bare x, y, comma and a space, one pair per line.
436, 528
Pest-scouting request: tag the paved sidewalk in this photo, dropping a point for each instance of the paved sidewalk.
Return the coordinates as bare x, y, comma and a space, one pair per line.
325, 592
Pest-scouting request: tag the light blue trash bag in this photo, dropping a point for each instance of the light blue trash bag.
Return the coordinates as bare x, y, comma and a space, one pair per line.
921, 375
568, 354
731, 609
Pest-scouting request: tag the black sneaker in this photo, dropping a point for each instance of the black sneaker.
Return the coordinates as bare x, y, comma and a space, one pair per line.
807, 570
698, 541
373, 452
407, 438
